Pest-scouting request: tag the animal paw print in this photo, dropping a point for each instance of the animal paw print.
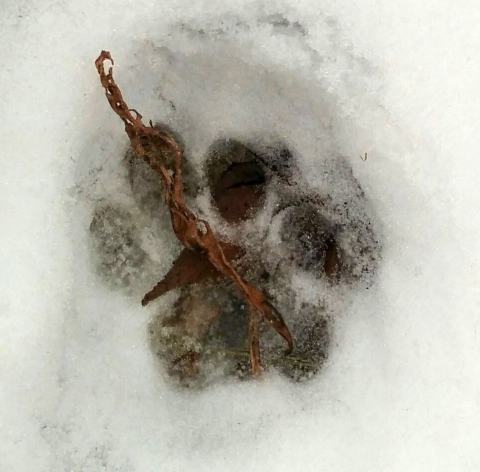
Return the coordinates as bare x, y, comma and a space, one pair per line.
206, 335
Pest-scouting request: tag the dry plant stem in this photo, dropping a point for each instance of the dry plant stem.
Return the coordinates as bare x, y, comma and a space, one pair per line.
155, 147
284, 360
254, 342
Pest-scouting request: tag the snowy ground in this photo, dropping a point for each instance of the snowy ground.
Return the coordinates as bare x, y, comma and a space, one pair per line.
80, 389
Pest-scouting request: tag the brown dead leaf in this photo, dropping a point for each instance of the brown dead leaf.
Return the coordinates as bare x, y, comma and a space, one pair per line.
191, 268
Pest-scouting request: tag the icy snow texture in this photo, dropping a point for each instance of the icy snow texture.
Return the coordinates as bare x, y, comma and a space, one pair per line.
80, 388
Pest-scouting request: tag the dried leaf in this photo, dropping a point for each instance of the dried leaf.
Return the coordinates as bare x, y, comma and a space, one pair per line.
191, 268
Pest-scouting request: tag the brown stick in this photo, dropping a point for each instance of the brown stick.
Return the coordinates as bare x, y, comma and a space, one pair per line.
254, 342
157, 148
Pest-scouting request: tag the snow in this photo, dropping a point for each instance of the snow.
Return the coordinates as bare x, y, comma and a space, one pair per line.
80, 387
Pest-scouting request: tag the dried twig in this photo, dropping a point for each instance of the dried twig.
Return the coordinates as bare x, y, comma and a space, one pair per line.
254, 342
283, 360
164, 155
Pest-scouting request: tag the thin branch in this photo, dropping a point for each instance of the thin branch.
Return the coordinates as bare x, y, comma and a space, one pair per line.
156, 148
254, 342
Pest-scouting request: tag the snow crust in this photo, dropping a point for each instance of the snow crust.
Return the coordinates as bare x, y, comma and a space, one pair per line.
80, 387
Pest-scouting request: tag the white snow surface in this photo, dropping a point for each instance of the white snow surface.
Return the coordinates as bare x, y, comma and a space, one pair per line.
80, 388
